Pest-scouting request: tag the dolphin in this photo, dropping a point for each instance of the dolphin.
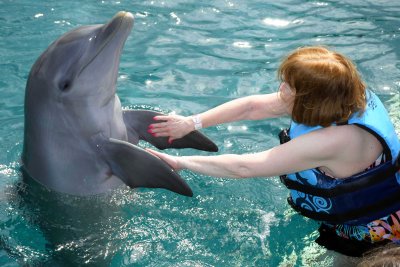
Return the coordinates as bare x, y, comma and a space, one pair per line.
77, 138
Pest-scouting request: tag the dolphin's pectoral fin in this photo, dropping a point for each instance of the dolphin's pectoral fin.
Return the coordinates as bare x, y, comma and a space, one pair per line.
138, 121
139, 168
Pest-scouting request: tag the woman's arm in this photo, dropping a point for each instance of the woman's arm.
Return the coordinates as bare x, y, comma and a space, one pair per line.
305, 152
247, 108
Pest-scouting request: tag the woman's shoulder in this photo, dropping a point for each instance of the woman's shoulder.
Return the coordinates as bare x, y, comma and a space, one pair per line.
324, 142
338, 139
334, 132
341, 134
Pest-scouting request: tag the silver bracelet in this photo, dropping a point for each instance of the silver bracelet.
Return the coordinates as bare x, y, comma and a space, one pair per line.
197, 122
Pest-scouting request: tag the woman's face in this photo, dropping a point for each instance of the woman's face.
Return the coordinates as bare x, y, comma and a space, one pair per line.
287, 94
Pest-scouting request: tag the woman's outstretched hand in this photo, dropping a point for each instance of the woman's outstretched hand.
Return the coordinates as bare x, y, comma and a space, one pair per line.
170, 160
173, 126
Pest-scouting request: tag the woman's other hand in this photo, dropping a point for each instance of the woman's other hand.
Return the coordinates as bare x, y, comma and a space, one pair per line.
173, 126
170, 160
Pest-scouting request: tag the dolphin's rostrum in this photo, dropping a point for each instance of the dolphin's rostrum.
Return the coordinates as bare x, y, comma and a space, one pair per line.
77, 139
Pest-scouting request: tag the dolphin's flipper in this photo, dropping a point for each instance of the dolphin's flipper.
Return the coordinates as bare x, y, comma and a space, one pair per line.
138, 121
139, 168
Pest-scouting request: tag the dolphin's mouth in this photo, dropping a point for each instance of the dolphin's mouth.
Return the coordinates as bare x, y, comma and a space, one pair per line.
122, 21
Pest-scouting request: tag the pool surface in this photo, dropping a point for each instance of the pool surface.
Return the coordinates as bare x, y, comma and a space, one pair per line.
182, 57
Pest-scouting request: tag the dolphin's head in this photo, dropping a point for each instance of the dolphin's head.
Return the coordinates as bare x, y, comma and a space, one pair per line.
81, 65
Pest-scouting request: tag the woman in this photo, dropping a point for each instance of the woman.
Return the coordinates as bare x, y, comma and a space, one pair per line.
338, 158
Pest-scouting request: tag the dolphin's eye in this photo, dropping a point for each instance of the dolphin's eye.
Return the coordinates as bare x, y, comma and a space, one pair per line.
65, 86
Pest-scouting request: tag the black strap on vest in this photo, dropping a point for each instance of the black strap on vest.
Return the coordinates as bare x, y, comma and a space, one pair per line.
336, 218
385, 171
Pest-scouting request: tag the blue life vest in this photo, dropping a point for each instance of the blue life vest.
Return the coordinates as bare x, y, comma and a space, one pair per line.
358, 199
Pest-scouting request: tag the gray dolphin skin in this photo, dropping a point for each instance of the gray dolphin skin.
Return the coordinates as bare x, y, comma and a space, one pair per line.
77, 139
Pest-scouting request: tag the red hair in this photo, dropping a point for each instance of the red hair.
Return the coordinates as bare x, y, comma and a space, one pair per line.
328, 88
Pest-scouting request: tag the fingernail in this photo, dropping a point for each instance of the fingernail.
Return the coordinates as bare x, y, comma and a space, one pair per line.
151, 126
155, 118
149, 131
169, 141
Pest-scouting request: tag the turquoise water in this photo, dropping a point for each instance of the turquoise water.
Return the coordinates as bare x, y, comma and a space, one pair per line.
183, 57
